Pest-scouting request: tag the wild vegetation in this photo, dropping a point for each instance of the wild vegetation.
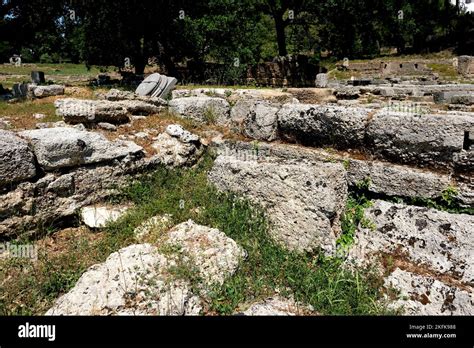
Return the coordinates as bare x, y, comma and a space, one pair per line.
30, 287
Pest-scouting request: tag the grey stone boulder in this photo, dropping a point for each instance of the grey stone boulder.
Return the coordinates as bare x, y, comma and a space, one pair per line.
277, 306
177, 147
119, 95
132, 281
348, 93
156, 85
323, 124
397, 180
63, 147
262, 122
16, 159
46, 91
98, 216
202, 109
466, 98
141, 279
138, 107
424, 140
303, 201
422, 295
321, 80
256, 119
432, 240
91, 111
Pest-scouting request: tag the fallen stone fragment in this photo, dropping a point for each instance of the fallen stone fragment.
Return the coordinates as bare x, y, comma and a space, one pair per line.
46, 91
152, 224
466, 98
118, 95
91, 111
321, 80
107, 126
156, 85
304, 201
203, 109
323, 124
396, 180
16, 159
177, 147
141, 279
215, 255
427, 238
277, 306
100, 216
138, 107
423, 295
62, 147
424, 140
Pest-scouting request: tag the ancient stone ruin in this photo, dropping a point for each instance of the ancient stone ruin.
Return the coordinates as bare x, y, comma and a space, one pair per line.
298, 153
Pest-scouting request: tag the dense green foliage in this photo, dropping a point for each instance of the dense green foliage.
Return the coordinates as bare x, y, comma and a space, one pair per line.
232, 34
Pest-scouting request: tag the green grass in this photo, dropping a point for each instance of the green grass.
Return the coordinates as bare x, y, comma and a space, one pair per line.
310, 278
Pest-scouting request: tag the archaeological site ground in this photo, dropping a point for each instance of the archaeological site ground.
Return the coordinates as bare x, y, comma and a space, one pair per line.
237, 158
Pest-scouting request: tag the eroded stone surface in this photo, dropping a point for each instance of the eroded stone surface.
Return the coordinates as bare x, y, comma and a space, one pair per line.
421, 295
277, 306
16, 159
203, 109
178, 147
323, 124
303, 201
99, 216
47, 91
91, 111
438, 241
425, 140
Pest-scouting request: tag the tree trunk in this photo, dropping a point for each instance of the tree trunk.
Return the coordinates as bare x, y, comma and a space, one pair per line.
280, 31
139, 67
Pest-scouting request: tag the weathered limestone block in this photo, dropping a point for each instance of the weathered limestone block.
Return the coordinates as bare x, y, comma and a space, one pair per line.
69, 147
202, 109
278, 306
424, 140
424, 295
466, 98
118, 95
437, 241
256, 119
91, 111
323, 124
16, 159
177, 147
466, 65
98, 216
397, 180
321, 80
139, 279
303, 201
138, 107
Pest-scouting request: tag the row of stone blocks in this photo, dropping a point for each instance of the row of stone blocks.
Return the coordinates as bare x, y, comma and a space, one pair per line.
426, 140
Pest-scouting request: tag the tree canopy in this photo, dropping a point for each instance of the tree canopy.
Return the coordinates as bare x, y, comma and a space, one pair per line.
232, 33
